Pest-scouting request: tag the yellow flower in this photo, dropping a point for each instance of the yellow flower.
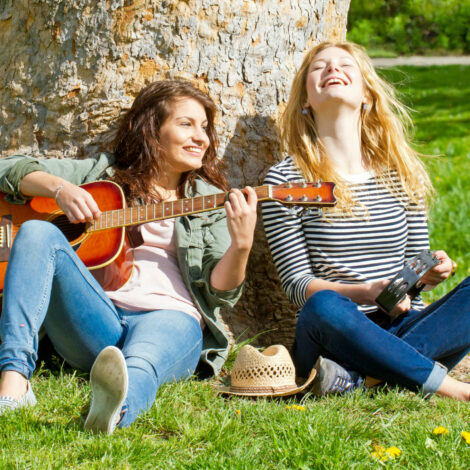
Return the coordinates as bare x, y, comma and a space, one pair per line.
393, 452
440, 430
298, 407
379, 453
466, 436
287, 407
437, 178
238, 412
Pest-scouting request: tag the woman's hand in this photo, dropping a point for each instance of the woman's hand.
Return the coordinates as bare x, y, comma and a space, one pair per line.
229, 272
78, 205
440, 272
241, 217
402, 307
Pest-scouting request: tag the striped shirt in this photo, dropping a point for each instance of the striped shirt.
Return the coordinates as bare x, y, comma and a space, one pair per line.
343, 249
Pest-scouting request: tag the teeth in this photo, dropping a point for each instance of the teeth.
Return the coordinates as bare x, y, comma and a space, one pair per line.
334, 81
193, 149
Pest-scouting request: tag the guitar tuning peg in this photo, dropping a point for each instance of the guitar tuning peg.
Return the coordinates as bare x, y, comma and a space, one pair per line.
320, 212
319, 183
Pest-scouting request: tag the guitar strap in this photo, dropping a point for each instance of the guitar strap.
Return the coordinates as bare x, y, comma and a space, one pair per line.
134, 235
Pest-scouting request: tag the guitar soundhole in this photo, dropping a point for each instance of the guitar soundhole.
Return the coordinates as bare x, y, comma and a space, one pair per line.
71, 231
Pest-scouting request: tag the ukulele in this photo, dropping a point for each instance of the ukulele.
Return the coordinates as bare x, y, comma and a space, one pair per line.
103, 245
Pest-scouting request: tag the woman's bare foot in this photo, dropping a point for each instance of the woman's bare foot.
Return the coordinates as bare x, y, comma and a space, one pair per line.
454, 389
13, 384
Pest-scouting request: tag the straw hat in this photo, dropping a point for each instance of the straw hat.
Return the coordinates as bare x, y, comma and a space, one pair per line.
268, 373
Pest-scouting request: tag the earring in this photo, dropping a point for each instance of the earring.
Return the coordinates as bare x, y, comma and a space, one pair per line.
365, 106
304, 111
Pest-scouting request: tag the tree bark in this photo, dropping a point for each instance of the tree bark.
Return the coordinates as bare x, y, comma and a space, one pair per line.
69, 67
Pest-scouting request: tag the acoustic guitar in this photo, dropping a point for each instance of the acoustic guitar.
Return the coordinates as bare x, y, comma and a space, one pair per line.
103, 245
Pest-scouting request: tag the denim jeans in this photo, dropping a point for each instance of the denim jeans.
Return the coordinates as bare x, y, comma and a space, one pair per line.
47, 282
401, 352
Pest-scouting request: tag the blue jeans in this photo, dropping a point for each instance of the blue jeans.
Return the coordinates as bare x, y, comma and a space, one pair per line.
47, 282
401, 352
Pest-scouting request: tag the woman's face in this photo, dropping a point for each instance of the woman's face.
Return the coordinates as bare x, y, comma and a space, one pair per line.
183, 136
334, 78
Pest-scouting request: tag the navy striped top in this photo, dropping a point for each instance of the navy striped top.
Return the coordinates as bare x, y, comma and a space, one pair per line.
343, 249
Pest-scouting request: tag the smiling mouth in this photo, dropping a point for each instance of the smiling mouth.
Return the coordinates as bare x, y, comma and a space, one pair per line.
197, 150
334, 81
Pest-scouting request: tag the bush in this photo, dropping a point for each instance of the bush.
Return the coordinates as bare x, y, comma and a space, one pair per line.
411, 26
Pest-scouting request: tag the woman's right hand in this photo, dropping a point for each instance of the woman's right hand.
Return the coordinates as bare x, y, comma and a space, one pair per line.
377, 287
78, 205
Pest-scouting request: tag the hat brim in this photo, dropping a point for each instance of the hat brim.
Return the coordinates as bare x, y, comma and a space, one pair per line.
254, 393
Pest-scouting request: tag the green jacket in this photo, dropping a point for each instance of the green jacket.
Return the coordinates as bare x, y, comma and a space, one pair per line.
202, 239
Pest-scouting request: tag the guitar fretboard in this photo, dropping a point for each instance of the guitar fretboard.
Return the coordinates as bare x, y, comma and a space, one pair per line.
164, 210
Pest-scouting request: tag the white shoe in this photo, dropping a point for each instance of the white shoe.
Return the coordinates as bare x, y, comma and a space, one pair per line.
108, 382
9, 403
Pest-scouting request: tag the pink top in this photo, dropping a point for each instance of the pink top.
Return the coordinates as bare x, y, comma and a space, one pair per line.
156, 282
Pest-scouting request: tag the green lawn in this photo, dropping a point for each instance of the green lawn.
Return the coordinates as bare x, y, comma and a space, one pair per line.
191, 427
440, 98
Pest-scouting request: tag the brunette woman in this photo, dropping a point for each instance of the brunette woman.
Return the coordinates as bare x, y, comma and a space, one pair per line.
164, 320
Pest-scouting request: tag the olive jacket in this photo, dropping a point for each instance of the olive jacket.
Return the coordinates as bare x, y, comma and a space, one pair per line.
202, 239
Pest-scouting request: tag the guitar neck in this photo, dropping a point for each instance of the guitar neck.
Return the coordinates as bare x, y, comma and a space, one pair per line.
166, 210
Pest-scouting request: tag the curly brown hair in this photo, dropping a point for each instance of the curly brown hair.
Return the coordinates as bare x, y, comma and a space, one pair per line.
138, 153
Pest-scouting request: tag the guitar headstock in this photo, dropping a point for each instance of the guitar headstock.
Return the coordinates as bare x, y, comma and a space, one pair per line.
319, 194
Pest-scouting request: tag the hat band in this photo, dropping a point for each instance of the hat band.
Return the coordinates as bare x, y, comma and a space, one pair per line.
261, 389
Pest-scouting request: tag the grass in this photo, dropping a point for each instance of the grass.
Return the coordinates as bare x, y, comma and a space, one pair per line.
440, 98
190, 427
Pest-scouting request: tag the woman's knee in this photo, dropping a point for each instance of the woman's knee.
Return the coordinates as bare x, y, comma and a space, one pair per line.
38, 232
328, 309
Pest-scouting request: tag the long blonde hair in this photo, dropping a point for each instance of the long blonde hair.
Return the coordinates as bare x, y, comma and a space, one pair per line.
384, 134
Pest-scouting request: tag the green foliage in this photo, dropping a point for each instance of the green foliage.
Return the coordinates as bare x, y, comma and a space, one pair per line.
411, 26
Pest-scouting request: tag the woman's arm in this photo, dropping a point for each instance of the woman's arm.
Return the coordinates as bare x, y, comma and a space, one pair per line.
229, 272
78, 205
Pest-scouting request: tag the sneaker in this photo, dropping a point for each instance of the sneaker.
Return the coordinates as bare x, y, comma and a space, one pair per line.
9, 403
108, 382
332, 378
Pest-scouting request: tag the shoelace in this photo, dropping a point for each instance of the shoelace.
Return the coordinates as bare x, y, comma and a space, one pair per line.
341, 384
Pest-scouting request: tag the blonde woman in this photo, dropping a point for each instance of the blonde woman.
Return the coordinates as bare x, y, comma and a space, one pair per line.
343, 124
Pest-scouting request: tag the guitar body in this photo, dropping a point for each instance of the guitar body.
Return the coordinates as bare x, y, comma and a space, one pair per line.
107, 253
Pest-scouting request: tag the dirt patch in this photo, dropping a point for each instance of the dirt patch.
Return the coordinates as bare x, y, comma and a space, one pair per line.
462, 370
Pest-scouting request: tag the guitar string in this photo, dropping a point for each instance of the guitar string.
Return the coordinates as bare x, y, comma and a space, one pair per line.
68, 228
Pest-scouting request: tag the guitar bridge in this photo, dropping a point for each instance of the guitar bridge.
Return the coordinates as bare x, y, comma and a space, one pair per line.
6, 238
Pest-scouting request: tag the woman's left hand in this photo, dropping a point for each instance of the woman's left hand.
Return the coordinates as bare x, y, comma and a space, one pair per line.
241, 217
241, 220
440, 272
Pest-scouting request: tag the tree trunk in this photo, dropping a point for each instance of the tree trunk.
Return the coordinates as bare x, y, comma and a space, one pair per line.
68, 68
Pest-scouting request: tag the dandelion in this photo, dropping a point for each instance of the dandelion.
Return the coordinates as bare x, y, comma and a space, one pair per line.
440, 430
382, 454
298, 407
379, 453
466, 436
393, 452
238, 412
287, 407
